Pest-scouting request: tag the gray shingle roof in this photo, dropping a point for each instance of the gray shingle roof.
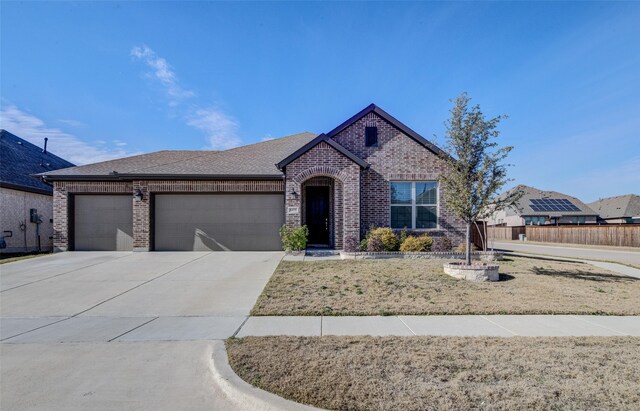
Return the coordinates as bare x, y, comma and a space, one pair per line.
257, 159
524, 204
625, 206
19, 159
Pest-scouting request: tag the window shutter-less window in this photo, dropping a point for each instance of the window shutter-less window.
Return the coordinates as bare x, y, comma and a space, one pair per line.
371, 136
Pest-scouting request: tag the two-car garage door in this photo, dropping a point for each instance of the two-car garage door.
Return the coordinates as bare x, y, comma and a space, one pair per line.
182, 222
219, 222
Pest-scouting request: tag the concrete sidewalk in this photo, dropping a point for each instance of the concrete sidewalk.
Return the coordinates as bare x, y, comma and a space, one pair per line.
446, 325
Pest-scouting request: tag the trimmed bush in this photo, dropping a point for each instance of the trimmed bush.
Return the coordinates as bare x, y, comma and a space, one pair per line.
388, 238
294, 239
417, 244
364, 244
351, 245
375, 244
442, 244
462, 248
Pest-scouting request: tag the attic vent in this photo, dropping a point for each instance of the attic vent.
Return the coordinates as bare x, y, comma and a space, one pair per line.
371, 136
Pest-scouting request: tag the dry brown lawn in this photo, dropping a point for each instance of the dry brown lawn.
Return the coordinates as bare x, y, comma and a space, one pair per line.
444, 373
390, 287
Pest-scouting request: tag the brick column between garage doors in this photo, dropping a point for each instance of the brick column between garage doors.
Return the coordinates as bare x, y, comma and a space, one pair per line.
142, 218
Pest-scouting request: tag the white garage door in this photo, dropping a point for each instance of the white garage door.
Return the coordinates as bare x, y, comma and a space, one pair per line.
218, 222
103, 222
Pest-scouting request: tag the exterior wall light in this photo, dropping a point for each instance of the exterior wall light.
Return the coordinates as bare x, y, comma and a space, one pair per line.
293, 193
138, 195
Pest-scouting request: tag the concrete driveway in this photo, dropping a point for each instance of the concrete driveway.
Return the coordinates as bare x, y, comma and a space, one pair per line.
108, 330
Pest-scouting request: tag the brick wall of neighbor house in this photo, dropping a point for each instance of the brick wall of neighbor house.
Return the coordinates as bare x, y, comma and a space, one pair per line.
397, 157
16, 205
142, 209
324, 160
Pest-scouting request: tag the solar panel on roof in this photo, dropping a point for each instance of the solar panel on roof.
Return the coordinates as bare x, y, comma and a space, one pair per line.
552, 204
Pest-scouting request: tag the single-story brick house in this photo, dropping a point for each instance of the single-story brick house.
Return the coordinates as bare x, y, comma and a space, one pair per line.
371, 170
540, 207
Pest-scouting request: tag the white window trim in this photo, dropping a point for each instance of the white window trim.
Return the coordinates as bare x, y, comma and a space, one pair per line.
414, 213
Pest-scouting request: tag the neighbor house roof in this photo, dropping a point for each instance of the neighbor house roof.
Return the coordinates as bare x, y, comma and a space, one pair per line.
19, 160
625, 206
524, 205
251, 161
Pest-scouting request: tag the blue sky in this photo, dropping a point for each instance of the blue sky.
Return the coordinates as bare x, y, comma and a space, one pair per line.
108, 79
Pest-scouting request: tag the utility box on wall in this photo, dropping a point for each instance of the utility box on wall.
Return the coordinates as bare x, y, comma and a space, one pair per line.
33, 215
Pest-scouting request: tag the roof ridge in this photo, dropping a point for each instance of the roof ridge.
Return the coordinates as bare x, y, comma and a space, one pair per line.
271, 140
204, 153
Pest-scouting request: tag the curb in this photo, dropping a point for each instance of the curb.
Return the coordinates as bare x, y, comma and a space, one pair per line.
244, 395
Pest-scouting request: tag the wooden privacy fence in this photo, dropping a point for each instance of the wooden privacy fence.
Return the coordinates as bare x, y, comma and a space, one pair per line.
612, 235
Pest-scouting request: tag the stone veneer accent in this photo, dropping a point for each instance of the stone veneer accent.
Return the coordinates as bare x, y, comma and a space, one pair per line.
419, 255
63, 190
397, 157
474, 272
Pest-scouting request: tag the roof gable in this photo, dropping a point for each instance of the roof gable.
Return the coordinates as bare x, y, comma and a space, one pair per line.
311, 144
391, 120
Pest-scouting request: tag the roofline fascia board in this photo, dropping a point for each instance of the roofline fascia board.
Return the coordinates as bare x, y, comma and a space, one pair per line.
34, 190
319, 139
131, 177
393, 121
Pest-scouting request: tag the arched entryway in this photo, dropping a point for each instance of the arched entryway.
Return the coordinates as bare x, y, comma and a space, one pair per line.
319, 210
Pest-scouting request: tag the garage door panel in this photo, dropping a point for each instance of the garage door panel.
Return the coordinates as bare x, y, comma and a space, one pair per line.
103, 223
218, 222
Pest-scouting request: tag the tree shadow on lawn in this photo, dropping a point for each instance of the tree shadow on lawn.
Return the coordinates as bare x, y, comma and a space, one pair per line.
584, 275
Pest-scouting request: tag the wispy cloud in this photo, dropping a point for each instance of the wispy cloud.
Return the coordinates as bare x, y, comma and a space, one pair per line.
220, 129
71, 123
62, 144
163, 73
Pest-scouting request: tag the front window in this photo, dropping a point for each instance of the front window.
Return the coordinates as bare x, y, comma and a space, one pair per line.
414, 205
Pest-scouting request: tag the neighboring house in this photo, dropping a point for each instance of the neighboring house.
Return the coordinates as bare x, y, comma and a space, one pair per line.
618, 210
371, 170
538, 207
26, 205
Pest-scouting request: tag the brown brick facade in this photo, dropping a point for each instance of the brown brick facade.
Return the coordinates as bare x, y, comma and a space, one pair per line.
360, 196
63, 190
323, 160
397, 157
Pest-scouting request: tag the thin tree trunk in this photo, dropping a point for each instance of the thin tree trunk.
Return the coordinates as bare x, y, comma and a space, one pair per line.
468, 248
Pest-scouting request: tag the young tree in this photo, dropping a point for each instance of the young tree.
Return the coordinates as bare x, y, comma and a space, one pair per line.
475, 172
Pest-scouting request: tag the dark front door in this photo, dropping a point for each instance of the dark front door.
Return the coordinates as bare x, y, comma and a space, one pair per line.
317, 215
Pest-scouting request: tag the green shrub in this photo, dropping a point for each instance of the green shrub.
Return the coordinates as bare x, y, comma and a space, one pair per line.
403, 235
351, 245
414, 244
442, 244
375, 244
388, 238
364, 244
294, 239
462, 248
